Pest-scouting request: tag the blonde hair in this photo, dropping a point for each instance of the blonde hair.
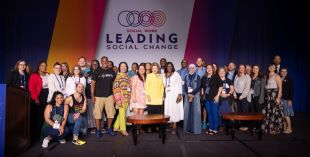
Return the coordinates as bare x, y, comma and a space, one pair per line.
155, 64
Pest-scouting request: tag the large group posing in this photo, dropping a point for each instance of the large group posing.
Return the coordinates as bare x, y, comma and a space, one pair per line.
96, 98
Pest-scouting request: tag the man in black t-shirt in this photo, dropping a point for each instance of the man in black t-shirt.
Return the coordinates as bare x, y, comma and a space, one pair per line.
102, 95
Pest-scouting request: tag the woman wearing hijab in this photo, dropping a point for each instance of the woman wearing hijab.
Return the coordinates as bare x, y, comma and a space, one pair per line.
192, 107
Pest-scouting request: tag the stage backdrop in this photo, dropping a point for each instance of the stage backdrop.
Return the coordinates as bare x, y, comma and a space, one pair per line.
219, 31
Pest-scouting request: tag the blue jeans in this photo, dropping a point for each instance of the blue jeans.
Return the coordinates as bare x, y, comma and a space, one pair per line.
54, 133
78, 123
213, 114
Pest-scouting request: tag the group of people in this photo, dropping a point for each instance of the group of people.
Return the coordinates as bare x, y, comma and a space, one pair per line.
70, 103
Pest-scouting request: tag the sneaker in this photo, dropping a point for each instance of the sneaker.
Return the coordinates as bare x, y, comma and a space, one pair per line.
98, 134
103, 131
204, 125
78, 142
93, 131
45, 142
110, 132
63, 141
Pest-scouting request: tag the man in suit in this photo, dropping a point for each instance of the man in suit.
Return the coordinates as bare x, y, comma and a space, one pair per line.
277, 63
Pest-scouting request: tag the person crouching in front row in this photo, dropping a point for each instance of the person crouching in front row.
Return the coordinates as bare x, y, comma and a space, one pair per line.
55, 116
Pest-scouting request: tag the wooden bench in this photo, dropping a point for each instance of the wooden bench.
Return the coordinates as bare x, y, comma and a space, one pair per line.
232, 117
149, 119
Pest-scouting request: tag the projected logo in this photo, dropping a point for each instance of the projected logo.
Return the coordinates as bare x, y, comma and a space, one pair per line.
144, 18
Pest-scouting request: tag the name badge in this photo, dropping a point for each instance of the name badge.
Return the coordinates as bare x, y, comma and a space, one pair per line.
190, 90
226, 85
56, 125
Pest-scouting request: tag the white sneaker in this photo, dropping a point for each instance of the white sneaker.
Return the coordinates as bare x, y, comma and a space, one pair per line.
62, 141
45, 142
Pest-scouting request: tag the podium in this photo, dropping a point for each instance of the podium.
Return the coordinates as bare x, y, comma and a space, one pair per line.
17, 121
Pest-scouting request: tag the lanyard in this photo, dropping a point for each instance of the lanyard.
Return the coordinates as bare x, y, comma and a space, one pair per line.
168, 83
75, 80
22, 80
60, 84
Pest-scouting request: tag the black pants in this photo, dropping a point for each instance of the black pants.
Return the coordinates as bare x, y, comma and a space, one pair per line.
255, 106
37, 115
243, 106
155, 109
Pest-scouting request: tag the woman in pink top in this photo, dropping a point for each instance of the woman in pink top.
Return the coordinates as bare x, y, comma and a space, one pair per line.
138, 92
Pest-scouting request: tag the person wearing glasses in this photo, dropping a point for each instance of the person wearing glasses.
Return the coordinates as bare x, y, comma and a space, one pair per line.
19, 77
56, 82
76, 77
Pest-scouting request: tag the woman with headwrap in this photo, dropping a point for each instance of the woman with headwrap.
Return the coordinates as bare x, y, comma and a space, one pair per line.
192, 107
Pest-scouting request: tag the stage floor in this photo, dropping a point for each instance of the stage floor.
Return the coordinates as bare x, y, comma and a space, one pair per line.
187, 145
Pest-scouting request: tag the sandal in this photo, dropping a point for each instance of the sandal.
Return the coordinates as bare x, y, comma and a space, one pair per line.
116, 130
288, 132
124, 133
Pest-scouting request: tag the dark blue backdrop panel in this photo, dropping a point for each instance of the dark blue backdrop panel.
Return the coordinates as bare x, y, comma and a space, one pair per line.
28, 30
2, 117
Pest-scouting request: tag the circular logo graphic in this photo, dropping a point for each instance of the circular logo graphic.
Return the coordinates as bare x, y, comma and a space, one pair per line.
144, 18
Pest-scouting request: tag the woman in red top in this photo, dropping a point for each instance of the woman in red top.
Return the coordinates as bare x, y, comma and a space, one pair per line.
39, 91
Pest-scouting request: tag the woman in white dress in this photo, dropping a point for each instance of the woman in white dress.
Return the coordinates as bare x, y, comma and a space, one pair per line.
173, 96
